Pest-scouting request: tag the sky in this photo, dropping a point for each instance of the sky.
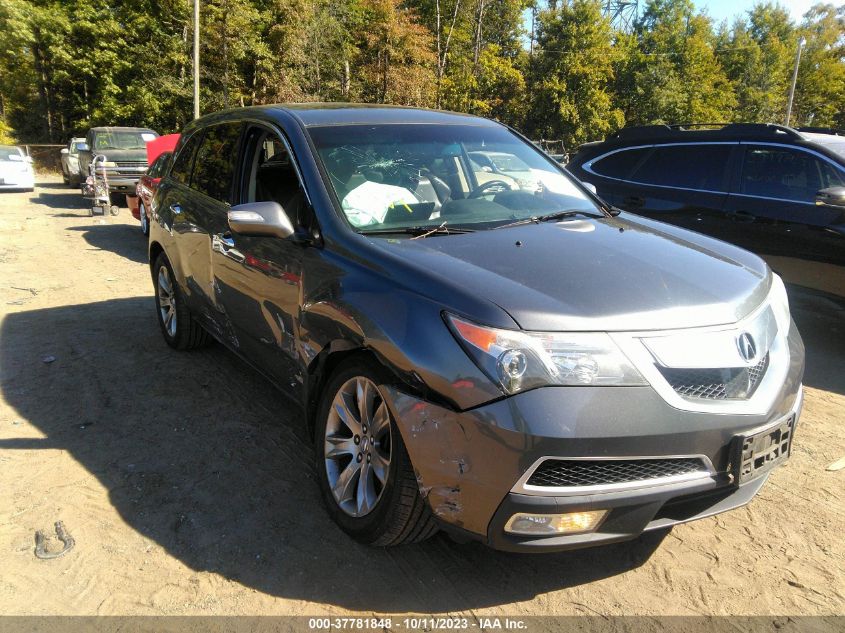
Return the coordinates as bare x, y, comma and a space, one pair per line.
726, 9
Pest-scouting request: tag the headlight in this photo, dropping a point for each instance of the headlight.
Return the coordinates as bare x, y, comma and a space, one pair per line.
780, 304
518, 360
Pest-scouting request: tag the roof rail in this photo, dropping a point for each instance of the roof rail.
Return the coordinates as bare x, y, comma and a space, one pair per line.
755, 129
762, 128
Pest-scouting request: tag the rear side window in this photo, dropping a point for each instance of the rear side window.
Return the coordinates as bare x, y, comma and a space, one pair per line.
620, 164
214, 166
786, 174
686, 166
181, 171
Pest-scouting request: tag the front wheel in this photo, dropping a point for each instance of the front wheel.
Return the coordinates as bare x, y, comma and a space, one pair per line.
364, 470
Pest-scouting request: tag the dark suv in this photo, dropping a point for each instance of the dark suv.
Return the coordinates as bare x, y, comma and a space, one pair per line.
508, 360
774, 190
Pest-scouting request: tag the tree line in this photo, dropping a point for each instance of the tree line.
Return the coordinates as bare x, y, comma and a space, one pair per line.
565, 73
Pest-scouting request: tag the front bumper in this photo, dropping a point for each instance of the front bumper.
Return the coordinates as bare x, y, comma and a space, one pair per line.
469, 464
123, 184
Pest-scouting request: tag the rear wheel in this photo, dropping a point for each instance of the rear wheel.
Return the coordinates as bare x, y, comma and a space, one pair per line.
364, 470
180, 329
145, 225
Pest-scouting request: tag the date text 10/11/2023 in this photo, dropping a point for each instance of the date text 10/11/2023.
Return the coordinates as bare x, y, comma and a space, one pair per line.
422, 623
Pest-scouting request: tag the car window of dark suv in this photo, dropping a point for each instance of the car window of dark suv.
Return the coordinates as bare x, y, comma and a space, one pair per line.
214, 167
701, 166
184, 162
620, 164
786, 174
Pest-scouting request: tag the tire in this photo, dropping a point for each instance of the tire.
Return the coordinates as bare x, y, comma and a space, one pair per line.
178, 326
392, 511
66, 177
145, 223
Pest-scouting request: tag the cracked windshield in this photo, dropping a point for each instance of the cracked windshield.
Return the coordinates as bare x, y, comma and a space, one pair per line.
401, 177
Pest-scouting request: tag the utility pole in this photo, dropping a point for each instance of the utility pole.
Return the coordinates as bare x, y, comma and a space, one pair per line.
801, 43
196, 59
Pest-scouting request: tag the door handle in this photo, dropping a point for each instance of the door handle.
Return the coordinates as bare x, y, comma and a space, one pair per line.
633, 201
176, 208
743, 216
225, 239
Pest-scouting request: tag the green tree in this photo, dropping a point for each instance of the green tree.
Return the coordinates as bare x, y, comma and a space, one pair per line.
676, 76
820, 90
757, 55
572, 94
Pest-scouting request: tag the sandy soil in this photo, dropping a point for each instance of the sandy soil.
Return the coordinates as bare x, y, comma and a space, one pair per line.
188, 488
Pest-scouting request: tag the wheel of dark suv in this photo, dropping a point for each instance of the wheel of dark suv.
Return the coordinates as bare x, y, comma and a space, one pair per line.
364, 471
180, 329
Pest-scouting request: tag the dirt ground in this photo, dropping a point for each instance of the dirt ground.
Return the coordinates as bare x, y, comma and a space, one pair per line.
188, 488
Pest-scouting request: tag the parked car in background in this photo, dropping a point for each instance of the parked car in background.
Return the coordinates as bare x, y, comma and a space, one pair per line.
16, 170
776, 191
505, 164
140, 204
521, 367
72, 174
125, 152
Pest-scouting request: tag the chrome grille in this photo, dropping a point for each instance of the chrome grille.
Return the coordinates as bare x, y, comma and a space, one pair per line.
131, 163
733, 383
562, 473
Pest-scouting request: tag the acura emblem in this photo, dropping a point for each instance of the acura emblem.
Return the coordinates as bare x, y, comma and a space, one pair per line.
747, 348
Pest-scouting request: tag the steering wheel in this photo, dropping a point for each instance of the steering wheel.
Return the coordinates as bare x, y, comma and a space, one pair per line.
480, 190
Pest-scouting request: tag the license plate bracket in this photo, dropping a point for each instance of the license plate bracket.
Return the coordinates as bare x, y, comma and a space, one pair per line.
760, 451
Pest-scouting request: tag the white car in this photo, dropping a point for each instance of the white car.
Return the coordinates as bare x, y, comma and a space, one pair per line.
16, 170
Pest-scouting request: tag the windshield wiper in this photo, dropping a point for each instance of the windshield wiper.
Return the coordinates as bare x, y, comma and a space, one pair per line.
419, 231
557, 215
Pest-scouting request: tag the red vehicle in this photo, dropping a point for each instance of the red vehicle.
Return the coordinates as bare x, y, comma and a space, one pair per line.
139, 205
159, 151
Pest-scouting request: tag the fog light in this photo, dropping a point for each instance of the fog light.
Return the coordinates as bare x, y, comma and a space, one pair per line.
549, 524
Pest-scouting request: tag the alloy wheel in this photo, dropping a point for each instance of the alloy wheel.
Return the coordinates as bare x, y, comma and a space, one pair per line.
357, 446
143, 213
167, 301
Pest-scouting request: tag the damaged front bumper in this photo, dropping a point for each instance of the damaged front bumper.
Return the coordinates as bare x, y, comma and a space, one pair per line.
472, 466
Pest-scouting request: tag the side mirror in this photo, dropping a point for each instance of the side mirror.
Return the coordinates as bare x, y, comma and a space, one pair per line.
65, 151
487, 169
260, 219
590, 187
28, 159
831, 197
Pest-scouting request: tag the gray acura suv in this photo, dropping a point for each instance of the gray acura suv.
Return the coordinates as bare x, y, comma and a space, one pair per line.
526, 367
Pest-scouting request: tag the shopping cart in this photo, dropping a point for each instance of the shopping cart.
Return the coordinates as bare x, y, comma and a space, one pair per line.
96, 188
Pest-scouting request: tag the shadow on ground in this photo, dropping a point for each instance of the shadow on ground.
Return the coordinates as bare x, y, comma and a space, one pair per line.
122, 239
60, 197
202, 456
821, 321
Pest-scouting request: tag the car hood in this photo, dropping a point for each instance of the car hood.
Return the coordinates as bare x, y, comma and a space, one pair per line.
615, 274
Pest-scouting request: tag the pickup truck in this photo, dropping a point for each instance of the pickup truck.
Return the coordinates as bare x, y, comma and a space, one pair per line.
125, 151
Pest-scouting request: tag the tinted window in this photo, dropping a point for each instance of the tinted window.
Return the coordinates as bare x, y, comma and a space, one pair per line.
122, 139
786, 174
181, 171
214, 166
159, 166
688, 166
620, 164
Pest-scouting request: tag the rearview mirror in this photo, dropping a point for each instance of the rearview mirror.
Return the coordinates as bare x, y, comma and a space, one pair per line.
831, 197
260, 219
